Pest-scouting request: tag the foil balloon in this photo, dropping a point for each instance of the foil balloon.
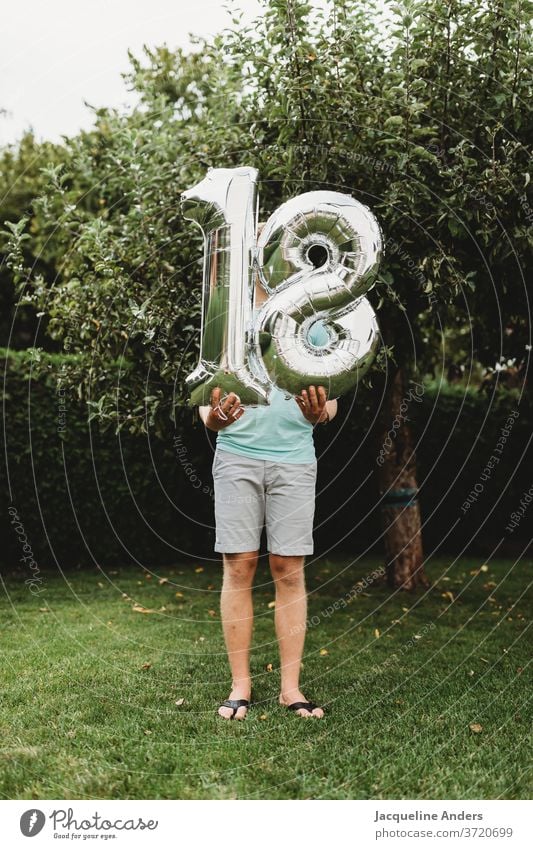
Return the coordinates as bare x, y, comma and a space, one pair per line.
316, 257
223, 205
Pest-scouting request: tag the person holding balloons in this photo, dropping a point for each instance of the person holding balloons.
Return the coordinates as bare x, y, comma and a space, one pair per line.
314, 260
264, 471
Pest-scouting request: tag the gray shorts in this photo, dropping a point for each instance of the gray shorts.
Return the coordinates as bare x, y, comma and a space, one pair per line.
250, 493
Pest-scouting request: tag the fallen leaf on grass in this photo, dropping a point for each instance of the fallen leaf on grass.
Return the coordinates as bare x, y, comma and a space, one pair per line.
199, 569
449, 596
179, 702
269, 667
271, 604
376, 633
212, 612
476, 727
263, 716
100, 584
138, 608
163, 581
146, 665
147, 731
324, 652
484, 568
179, 595
44, 610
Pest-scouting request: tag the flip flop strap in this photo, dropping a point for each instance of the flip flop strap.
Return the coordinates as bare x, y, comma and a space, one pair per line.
310, 706
235, 704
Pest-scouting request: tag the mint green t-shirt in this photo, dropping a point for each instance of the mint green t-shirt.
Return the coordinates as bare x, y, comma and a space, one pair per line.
277, 431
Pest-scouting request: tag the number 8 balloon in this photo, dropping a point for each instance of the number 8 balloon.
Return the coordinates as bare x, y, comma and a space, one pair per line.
316, 257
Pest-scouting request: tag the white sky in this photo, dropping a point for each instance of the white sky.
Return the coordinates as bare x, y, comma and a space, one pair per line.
54, 54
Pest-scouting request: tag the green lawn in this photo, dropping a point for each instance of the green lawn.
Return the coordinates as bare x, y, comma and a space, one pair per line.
90, 685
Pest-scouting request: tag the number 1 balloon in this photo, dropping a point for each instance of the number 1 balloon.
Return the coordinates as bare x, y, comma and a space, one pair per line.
316, 257
223, 205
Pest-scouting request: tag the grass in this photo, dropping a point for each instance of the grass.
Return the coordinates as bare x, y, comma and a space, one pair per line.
90, 685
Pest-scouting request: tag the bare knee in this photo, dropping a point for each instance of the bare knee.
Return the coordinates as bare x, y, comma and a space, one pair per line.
239, 568
287, 571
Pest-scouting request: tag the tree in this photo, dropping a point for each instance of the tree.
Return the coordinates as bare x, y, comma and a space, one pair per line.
21, 181
427, 126
420, 116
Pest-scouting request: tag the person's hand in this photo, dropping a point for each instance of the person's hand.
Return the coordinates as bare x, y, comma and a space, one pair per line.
225, 413
312, 403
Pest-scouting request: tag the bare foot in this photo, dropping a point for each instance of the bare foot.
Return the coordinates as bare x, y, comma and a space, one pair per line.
292, 696
239, 691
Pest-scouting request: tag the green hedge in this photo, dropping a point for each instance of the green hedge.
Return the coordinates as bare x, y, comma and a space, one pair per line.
457, 431
86, 496
83, 496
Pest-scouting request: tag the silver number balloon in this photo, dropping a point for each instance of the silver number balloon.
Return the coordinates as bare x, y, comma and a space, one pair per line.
316, 256
223, 205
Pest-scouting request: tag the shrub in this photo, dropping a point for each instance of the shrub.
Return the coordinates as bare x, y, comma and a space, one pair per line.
86, 496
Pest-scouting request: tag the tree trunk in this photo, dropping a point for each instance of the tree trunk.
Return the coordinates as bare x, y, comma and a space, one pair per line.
400, 511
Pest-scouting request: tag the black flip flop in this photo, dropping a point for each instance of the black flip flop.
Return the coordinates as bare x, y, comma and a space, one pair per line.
235, 704
310, 706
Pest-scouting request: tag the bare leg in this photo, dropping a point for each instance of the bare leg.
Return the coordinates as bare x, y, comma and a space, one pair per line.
291, 612
237, 622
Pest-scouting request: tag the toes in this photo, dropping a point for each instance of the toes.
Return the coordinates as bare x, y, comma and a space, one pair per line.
225, 712
317, 713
